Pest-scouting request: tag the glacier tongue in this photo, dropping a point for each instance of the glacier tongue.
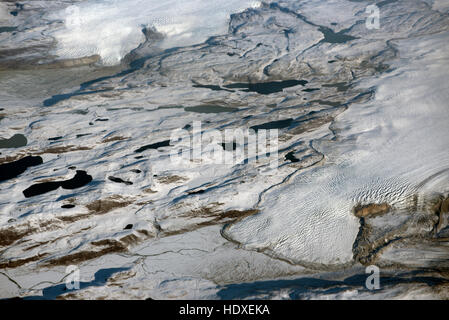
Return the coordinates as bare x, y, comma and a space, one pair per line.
390, 145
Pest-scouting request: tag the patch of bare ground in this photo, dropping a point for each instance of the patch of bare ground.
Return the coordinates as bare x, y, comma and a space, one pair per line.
52, 179
118, 278
107, 246
367, 247
13, 233
99, 207
212, 216
12, 158
171, 179
441, 209
43, 243
68, 296
20, 262
114, 139
371, 210
73, 296
36, 245
10, 235
422, 226
106, 205
130, 239
367, 251
52, 150
143, 203
63, 149
101, 248
73, 218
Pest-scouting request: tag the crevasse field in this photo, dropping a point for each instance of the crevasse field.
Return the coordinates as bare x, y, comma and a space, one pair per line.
92, 91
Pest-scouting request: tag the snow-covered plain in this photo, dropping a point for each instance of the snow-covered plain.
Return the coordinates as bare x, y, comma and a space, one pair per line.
367, 127
113, 28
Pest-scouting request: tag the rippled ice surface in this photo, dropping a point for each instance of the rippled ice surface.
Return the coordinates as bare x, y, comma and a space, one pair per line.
91, 92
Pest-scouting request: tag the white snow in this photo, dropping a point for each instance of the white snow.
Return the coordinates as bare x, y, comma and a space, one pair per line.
390, 146
112, 28
5, 17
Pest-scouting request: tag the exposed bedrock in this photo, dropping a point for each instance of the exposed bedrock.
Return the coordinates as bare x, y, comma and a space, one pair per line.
411, 237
